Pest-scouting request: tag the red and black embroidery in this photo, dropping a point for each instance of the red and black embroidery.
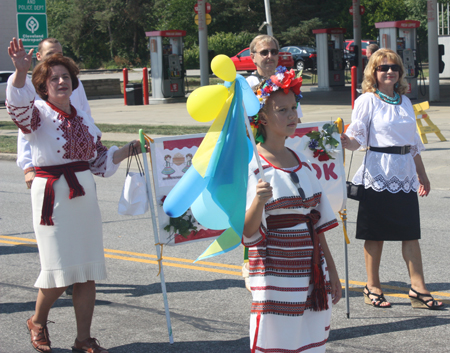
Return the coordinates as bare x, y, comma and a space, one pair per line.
100, 162
79, 141
290, 202
20, 117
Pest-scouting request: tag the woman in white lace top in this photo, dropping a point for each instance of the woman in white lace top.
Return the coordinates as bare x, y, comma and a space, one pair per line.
392, 173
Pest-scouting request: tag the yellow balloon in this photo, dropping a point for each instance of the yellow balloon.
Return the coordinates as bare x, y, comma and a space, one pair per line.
205, 103
223, 68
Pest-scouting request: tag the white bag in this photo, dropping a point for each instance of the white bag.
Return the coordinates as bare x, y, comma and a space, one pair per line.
133, 201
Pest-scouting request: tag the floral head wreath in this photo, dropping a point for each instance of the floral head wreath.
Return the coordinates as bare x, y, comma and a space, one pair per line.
283, 79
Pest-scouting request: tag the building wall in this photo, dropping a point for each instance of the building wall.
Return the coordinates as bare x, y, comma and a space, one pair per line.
8, 29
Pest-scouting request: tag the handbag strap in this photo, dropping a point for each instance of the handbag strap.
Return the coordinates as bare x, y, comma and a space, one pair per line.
132, 151
367, 147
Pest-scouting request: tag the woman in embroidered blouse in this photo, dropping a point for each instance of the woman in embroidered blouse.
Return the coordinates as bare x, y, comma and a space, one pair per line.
383, 120
66, 150
293, 278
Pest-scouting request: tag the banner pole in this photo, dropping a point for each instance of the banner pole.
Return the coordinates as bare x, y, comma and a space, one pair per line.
155, 233
340, 123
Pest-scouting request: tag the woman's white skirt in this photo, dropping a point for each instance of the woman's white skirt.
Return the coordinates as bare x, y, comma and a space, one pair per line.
71, 251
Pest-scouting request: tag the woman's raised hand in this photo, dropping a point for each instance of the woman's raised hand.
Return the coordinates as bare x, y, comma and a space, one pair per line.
20, 58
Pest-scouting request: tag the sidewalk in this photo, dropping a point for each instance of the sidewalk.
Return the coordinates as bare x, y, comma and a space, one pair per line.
316, 106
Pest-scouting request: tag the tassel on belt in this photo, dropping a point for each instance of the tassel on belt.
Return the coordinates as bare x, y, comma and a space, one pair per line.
53, 173
318, 295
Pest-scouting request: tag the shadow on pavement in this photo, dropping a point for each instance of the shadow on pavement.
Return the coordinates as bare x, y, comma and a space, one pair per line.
172, 287
397, 326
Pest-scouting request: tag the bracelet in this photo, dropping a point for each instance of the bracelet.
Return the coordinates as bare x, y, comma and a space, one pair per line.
27, 170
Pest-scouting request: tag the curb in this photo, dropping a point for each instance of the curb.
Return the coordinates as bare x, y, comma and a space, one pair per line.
8, 157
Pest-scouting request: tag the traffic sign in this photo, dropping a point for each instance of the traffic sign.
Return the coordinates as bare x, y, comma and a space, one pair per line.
31, 28
31, 6
362, 10
207, 7
207, 18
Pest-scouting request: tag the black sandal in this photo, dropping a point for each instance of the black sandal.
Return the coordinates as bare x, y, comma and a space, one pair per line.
418, 303
377, 301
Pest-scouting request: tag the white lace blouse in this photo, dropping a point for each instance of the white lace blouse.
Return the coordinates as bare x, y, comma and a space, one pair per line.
391, 125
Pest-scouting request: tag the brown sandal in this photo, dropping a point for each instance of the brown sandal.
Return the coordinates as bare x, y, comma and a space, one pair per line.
377, 301
89, 345
40, 339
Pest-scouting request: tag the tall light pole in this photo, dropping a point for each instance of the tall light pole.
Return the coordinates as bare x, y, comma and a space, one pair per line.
268, 18
203, 43
357, 36
433, 58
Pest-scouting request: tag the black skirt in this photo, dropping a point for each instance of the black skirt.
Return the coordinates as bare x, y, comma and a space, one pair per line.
385, 216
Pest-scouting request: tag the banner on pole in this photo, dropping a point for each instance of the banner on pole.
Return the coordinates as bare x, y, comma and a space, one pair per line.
172, 157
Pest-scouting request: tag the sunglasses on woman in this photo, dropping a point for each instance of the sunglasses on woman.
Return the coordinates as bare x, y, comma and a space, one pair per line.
385, 68
266, 52
296, 182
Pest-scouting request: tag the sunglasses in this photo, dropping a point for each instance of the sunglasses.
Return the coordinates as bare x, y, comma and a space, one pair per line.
385, 68
266, 52
296, 182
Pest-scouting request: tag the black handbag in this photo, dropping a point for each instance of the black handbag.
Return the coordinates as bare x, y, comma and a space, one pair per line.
355, 192
358, 192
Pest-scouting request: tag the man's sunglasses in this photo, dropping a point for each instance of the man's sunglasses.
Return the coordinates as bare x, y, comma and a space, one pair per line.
385, 68
266, 52
294, 179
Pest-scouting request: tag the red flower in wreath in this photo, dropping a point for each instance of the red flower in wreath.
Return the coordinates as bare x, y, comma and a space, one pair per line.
288, 82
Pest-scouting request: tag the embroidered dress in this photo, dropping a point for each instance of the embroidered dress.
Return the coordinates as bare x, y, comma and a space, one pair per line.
392, 125
71, 250
282, 319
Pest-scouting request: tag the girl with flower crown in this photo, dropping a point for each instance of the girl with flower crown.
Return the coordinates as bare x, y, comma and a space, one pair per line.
293, 278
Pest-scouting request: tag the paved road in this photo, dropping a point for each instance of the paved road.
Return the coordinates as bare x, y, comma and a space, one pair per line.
208, 302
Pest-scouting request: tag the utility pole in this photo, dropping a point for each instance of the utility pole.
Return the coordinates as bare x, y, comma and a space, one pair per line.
433, 58
357, 37
203, 43
268, 18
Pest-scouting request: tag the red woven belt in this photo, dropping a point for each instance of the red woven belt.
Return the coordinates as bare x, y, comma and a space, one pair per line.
318, 296
53, 173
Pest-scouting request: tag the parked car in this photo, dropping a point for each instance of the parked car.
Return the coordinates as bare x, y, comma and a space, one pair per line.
4, 75
349, 46
304, 57
243, 60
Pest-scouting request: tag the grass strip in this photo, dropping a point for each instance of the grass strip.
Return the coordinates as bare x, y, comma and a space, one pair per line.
134, 129
8, 144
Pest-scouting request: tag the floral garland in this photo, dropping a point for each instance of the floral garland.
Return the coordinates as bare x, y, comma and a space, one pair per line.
284, 79
321, 139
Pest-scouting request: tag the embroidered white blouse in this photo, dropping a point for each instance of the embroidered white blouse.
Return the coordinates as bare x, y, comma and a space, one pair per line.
78, 99
55, 137
391, 125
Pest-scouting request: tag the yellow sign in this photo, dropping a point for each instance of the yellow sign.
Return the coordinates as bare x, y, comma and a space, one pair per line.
207, 18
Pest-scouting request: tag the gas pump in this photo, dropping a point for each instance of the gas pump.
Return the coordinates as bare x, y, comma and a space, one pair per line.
400, 36
166, 56
330, 57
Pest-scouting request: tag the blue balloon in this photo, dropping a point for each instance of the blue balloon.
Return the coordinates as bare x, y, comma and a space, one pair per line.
251, 102
208, 213
184, 193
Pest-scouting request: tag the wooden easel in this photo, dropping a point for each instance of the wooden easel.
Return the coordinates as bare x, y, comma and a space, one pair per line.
419, 110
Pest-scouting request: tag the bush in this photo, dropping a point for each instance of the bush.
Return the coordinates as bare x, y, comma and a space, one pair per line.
191, 58
221, 43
